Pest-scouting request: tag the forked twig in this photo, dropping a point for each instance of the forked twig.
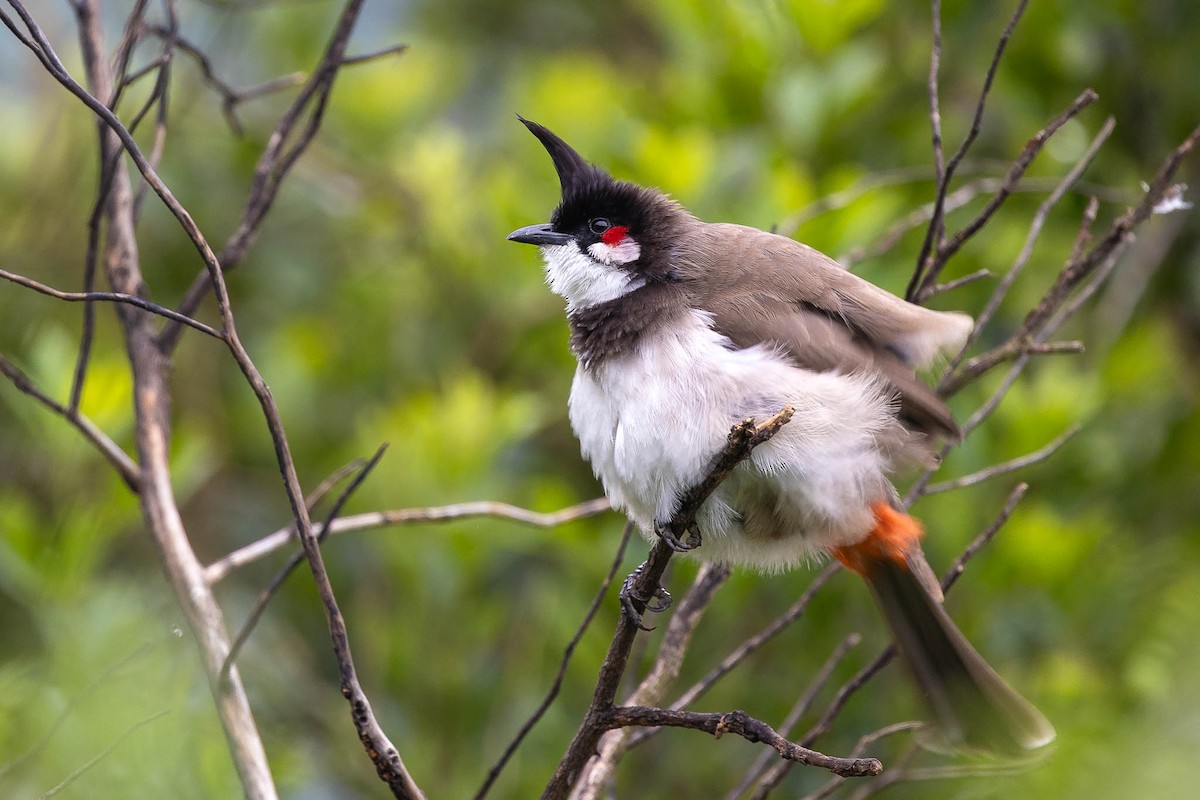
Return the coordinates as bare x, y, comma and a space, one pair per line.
569, 651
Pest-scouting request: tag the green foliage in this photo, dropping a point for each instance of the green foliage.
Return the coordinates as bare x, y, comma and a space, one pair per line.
382, 304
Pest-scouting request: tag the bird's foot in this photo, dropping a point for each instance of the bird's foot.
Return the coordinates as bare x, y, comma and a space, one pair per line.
634, 604
667, 533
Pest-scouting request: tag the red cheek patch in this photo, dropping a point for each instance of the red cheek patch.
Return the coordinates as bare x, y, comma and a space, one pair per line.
613, 236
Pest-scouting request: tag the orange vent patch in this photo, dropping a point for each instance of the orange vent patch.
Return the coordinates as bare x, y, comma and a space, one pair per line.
894, 536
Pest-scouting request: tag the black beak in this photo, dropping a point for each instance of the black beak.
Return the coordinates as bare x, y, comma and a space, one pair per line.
539, 234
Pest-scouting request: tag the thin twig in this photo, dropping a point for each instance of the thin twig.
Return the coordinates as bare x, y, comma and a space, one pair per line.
114, 297
568, 652
776, 774
1033, 147
985, 536
1035, 228
74, 700
283, 150
91, 762
935, 114
265, 596
958, 283
263, 547
863, 743
1004, 467
801, 707
741, 724
756, 642
380, 750
125, 466
924, 272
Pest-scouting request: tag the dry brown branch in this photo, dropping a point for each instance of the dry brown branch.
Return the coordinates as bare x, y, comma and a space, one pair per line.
741, 724
1004, 467
263, 547
151, 394
293, 134
594, 781
742, 439
113, 297
231, 98
924, 274
120, 460
801, 707
269, 591
556, 686
149, 362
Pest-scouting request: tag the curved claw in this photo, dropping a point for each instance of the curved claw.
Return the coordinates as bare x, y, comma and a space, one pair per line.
667, 534
634, 604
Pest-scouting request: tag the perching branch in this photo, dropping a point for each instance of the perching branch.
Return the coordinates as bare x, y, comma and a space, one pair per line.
540, 711
741, 441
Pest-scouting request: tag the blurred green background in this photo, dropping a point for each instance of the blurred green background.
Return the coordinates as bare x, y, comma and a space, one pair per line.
382, 304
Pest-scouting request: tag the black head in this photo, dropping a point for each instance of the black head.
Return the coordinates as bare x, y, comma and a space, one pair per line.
596, 209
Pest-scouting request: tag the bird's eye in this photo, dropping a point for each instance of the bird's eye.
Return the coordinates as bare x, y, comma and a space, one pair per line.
599, 225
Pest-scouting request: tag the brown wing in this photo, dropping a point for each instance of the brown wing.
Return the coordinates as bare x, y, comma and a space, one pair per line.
774, 290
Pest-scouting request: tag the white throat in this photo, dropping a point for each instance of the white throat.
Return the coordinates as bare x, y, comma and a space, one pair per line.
588, 279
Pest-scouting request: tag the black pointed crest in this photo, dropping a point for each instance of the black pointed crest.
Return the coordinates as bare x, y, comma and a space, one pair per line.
573, 171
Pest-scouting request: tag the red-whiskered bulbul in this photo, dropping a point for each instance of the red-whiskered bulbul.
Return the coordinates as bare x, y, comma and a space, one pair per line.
683, 328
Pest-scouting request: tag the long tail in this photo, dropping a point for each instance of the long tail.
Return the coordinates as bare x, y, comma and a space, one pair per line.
972, 705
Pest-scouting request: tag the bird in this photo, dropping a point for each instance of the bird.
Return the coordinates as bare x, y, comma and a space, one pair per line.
682, 328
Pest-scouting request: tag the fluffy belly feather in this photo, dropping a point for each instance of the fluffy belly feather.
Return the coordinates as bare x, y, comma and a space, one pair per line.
650, 421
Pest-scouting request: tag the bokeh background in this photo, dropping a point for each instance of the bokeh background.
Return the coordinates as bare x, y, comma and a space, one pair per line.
382, 304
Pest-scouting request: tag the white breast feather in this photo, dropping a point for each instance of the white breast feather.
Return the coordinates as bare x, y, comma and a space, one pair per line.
650, 421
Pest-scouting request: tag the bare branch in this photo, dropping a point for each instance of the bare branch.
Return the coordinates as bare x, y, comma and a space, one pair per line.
741, 724
935, 115
115, 297
594, 781
230, 98
556, 686
252, 552
985, 536
265, 596
937, 261
124, 465
923, 273
755, 642
284, 148
958, 283
91, 762
1035, 228
742, 439
801, 707
1004, 467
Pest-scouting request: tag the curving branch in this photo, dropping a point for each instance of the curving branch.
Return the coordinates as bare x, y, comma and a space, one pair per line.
220, 569
926, 272
604, 715
120, 460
